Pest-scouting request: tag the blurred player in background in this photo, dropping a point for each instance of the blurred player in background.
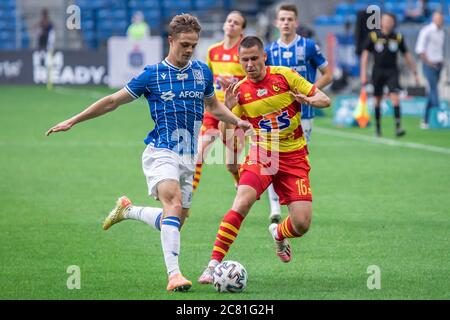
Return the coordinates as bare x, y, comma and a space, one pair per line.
304, 56
177, 89
269, 98
385, 44
138, 29
223, 61
430, 48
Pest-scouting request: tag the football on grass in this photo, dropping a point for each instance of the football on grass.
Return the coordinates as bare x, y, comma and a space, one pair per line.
230, 276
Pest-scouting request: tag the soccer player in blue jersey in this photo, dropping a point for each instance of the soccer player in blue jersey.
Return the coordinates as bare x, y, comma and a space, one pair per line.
177, 90
304, 56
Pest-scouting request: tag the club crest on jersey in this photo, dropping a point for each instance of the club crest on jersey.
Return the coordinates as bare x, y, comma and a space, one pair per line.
226, 57
261, 92
301, 53
182, 76
167, 96
393, 45
198, 76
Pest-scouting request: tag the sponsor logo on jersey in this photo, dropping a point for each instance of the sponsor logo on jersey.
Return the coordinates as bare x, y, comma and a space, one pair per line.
275, 88
168, 95
182, 76
287, 54
163, 75
192, 94
261, 92
248, 96
275, 121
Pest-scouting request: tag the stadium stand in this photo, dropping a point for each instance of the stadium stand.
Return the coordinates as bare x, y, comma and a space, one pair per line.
346, 11
13, 30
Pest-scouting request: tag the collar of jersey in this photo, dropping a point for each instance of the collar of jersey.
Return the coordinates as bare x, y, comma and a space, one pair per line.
283, 45
167, 63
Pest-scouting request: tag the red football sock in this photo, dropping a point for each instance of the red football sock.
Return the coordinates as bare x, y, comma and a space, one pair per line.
228, 231
286, 230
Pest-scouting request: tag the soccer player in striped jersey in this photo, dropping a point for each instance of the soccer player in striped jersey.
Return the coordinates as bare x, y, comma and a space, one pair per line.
269, 98
223, 61
177, 90
304, 56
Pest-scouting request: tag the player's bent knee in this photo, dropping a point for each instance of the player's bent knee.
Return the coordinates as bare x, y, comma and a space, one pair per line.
301, 224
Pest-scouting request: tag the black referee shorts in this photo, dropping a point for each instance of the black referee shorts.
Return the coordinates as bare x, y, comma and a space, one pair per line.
385, 77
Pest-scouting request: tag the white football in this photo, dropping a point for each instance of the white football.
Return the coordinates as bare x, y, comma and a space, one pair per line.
230, 276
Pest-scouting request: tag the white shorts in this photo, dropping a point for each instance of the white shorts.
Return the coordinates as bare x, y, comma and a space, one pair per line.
307, 128
163, 164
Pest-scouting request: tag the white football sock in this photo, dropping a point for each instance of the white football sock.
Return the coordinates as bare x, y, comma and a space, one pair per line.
170, 240
275, 208
148, 215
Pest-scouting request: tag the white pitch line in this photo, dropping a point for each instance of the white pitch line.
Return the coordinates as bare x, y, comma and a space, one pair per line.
384, 141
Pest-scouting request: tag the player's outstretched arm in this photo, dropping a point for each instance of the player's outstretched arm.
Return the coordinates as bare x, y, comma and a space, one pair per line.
318, 100
98, 108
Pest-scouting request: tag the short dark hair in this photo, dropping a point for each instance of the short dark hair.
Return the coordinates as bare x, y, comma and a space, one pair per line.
288, 7
184, 23
250, 42
244, 23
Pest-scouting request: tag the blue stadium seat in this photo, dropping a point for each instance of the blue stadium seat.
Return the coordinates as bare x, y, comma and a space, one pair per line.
7, 13
92, 4
396, 8
112, 14
447, 20
9, 4
204, 4
87, 24
177, 4
87, 14
323, 20
8, 24
7, 36
343, 9
144, 4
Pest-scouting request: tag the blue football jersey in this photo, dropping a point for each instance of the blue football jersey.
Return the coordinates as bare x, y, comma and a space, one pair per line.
303, 55
176, 100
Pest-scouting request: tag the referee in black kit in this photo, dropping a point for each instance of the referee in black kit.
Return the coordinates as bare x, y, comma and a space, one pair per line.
385, 45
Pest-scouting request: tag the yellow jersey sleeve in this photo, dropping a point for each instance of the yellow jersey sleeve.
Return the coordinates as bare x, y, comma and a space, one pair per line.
296, 81
238, 110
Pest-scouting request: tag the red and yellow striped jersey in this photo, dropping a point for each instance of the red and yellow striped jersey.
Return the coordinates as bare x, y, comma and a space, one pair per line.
273, 112
225, 63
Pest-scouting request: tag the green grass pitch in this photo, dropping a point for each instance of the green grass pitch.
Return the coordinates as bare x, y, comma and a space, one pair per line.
374, 204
